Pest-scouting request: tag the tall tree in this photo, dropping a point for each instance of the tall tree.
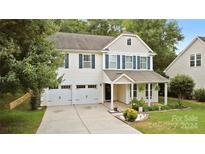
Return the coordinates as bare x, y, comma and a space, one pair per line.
28, 59
104, 27
73, 26
161, 35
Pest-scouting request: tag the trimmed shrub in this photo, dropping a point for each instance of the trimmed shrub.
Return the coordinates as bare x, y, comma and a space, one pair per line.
182, 86
199, 94
130, 114
137, 103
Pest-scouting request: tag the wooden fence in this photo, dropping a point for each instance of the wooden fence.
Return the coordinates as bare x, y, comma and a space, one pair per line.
19, 101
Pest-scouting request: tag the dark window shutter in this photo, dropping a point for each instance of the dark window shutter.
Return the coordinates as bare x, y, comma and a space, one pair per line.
106, 61
93, 61
138, 62
66, 60
134, 62
123, 62
148, 62
80, 61
118, 61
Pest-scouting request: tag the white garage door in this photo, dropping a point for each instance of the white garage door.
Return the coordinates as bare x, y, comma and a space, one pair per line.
86, 94
62, 96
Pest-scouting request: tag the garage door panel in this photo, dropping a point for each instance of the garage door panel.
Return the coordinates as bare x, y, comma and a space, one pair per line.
59, 97
86, 96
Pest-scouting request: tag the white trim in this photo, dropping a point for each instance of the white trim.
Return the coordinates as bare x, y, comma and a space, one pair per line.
79, 51
123, 75
182, 52
133, 35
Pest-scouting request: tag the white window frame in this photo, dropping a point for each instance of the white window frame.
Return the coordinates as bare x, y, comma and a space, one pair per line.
198, 60
129, 42
113, 61
143, 62
83, 61
128, 62
192, 60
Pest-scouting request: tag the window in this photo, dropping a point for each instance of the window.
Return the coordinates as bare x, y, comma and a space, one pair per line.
56, 87
92, 86
129, 41
87, 63
135, 90
65, 87
143, 62
113, 61
128, 62
192, 60
150, 91
66, 60
80, 86
198, 59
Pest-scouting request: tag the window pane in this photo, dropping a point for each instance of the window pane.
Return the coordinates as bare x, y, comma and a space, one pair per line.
143, 62
113, 61
129, 41
87, 64
198, 63
86, 57
92, 86
192, 57
198, 56
128, 58
80, 86
192, 63
113, 65
65, 87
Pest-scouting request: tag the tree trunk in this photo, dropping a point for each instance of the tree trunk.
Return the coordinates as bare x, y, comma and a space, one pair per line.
35, 100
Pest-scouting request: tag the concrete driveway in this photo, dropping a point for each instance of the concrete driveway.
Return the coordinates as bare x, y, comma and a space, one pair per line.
82, 119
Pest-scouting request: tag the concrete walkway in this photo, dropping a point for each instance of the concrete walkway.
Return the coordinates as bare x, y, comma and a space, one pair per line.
82, 119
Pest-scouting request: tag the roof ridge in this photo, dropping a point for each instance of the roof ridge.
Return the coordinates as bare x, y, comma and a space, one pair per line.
87, 34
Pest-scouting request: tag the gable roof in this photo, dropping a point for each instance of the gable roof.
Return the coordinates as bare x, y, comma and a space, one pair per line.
200, 38
137, 76
128, 34
80, 41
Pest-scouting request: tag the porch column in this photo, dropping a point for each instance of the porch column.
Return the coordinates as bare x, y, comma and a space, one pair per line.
149, 101
165, 93
132, 87
112, 95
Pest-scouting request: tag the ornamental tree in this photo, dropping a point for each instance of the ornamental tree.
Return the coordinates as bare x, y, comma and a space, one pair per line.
28, 59
182, 86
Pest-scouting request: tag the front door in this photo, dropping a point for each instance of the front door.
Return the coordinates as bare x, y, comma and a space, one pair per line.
107, 92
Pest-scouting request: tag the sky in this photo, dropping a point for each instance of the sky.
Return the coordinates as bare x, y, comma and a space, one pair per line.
190, 29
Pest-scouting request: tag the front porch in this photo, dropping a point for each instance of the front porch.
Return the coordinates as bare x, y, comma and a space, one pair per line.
119, 88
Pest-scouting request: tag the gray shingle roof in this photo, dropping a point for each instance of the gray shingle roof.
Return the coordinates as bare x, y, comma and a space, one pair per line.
138, 76
80, 41
202, 38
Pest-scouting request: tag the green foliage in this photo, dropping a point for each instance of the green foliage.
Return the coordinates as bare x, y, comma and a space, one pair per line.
161, 36
199, 94
182, 86
137, 103
28, 59
130, 114
157, 87
141, 87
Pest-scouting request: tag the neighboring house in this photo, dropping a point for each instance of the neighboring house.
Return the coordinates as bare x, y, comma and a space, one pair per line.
190, 62
103, 68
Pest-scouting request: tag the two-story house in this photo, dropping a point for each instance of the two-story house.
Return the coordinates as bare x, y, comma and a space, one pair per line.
103, 68
189, 62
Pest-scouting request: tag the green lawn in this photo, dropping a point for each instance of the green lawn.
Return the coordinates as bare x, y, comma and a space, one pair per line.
191, 121
20, 120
